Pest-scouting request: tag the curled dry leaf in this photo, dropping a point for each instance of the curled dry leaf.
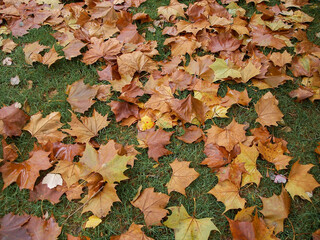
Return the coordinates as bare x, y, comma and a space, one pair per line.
80, 96
152, 205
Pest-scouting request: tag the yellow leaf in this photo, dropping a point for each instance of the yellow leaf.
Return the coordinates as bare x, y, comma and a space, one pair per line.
93, 221
222, 70
146, 123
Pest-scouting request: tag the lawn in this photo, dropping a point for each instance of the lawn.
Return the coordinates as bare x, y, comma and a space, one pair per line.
43, 89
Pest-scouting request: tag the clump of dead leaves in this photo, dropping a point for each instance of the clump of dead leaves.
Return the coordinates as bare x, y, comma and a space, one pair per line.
105, 31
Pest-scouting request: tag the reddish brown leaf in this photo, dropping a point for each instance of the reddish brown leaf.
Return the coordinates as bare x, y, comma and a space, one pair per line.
130, 35
216, 156
67, 152
42, 192
192, 134
13, 227
73, 49
301, 93
13, 120
40, 229
223, 42
123, 110
9, 151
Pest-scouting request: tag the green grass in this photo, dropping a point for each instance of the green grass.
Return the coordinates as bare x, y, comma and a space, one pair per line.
302, 118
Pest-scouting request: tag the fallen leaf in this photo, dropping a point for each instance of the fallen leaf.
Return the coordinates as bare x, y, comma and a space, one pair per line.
50, 57
192, 134
42, 192
92, 222
12, 227
281, 59
228, 193
301, 93
87, 127
124, 110
173, 9
8, 45
268, 111
39, 228
70, 171
300, 182
182, 177
187, 227
32, 51
73, 49
45, 129
216, 156
9, 151
80, 96
235, 97
276, 209
222, 70
52, 180
249, 71
15, 80
152, 205
134, 233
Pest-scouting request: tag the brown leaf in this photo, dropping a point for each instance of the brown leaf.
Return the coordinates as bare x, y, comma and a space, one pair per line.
228, 137
13, 227
233, 172
69, 171
200, 67
301, 93
192, 134
42, 192
32, 50
235, 97
155, 140
40, 229
129, 34
50, 57
173, 9
73, 49
13, 120
223, 42
182, 176
268, 110
9, 151
181, 45
276, 209
67, 152
88, 127
26, 173
130, 63
123, 110
152, 205
100, 205
45, 129
134, 233
80, 96
216, 156
8, 45
280, 59
109, 73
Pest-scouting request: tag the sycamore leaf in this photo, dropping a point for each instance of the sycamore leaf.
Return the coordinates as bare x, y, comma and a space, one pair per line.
192, 134
249, 156
173, 9
80, 96
134, 233
67, 152
228, 193
200, 67
92, 222
187, 227
268, 110
13, 120
26, 173
42, 192
235, 97
222, 70
31, 52
223, 42
228, 137
39, 228
11, 227
45, 129
216, 156
70, 171
300, 182
88, 127
182, 177
281, 59
181, 45
155, 140
124, 110
50, 57
73, 49
100, 204
152, 205
276, 209
249, 71
9, 151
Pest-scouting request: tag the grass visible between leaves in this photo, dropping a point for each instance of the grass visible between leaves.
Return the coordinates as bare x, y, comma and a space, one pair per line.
43, 90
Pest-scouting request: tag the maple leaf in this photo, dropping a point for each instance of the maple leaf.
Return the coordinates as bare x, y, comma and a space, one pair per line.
13, 120
70, 171
268, 110
173, 9
45, 129
32, 50
129, 34
223, 42
228, 137
216, 156
42, 192
50, 57
152, 205
274, 153
8, 45
276, 209
222, 70
80, 96
232, 172
130, 63
200, 67
194, 28
134, 233
100, 204
228, 193
26, 173
281, 59
9, 151
39, 228
67, 152
88, 127
249, 156
255, 230
12, 227
192, 134
181, 45
73, 49
249, 71
106, 162
187, 227
155, 140
300, 182
235, 97
124, 110
182, 176
301, 93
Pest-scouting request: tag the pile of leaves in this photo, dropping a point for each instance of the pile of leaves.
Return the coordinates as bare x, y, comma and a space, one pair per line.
210, 44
